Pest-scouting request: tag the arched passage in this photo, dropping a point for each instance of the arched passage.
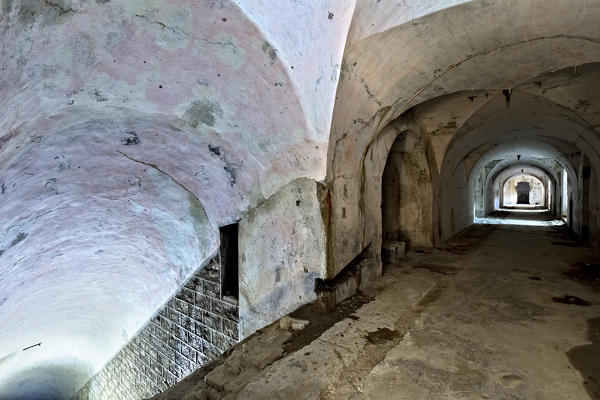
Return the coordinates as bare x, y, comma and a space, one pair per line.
509, 131
372, 94
523, 190
463, 159
494, 191
407, 193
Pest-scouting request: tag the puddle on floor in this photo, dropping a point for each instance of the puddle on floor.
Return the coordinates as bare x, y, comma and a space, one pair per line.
586, 359
382, 335
568, 243
438, 268
574, 300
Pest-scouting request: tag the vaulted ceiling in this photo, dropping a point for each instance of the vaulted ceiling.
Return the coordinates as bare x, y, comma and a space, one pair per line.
131, 130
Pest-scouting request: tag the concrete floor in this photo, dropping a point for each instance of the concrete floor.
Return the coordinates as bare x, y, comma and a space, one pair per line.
495, 331
505, 312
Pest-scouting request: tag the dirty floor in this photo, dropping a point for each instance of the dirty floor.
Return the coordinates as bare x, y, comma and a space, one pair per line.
504, 312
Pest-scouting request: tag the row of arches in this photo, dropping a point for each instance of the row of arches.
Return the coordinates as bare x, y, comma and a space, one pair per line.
470, 93
499, 148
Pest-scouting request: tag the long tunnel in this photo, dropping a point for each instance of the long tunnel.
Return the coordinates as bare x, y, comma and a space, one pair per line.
176, 176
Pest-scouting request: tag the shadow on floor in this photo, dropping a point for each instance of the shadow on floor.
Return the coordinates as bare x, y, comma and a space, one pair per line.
519, 217
586, 359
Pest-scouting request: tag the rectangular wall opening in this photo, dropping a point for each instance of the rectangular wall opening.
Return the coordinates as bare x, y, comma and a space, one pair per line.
229, 260
565, 196
523, 189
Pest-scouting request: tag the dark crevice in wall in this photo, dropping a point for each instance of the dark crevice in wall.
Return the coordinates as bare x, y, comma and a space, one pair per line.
166, 174
229, 260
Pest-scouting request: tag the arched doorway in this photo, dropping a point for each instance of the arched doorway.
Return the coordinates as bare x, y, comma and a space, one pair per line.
407, 194
523, 190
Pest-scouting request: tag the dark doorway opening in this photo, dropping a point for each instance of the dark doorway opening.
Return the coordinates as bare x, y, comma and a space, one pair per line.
523, 189
229, 260
390, 203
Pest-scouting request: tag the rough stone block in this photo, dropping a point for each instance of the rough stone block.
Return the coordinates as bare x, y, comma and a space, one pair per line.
195, 342
182, 334
201, 359
170, 378
211, 351
173, 342
203, 331
219, 341
187, 351
161, 334
188, 323
393, 252
211, 272
181, 361
225, 310
188, 295
283, 251
175, 370
212, 321
173, 316
153, 343
203, 302
166, 324
231, 329
211, 289
190, 284
161, 358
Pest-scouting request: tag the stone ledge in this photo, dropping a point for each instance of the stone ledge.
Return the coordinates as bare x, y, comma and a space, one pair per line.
354, 278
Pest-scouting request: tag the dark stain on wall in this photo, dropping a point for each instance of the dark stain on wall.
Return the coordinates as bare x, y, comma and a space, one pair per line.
231, 170
270, 52
19, 238
216, 150
202, 112
63, 164
131, 139
50, 185
47, 11
98, 96
229, 166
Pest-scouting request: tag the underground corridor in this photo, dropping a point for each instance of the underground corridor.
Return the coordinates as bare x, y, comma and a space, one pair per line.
452, 323
342, 199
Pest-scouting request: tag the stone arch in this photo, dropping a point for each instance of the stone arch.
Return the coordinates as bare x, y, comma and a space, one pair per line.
546, 170
507, 132
501, 180
533, 184
371, 94
407, 190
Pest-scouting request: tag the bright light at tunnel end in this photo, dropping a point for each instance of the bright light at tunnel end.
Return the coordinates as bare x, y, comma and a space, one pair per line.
490, 220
